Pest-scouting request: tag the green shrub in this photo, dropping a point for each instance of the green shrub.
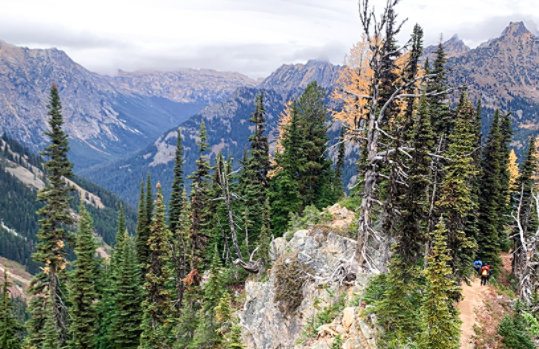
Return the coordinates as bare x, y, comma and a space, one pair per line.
310, 216
513, 336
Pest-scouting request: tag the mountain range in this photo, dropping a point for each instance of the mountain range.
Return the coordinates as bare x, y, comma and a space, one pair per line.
130, 120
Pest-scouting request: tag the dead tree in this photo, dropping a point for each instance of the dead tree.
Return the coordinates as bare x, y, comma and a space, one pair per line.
228, 196
526, 254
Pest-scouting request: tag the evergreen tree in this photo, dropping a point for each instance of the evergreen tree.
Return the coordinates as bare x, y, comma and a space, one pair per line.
176, 205
415, 200
10, 328
339, 168
505, 177
490, 198
284, 186
206, 334
441, 325
199, 203
82, 292
50, 333
315, 177
455, 201
142, 229
126, 318
50, 250
158, 310
255, 171
441, 115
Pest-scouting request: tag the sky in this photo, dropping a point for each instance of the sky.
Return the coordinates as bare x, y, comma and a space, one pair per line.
253, 37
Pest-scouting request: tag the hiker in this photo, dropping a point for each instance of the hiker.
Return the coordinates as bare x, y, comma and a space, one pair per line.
485, 273
477, 266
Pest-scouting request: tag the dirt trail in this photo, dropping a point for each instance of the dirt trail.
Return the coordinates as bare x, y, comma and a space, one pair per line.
473, 296
473, 301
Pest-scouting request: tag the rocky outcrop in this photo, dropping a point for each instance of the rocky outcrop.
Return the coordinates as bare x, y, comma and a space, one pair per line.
322, 252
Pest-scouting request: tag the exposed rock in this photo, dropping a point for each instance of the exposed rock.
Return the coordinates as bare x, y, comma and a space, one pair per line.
264, 326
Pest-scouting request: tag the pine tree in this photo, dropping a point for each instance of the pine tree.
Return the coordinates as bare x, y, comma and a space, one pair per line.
339, 168
441, 325
142, 229
455, 201
10, 328
158, 310
206, 334
316, 176
55, 217
176, 205
82, 292
505, 178
50, 333
126, 318
441, 116
255, 171
199, 202
415, 200
284, 192
490, 197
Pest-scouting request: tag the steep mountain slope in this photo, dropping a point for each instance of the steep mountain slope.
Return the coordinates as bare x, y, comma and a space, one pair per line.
106, 117
21, 175
228, 128
504, 73
453, 47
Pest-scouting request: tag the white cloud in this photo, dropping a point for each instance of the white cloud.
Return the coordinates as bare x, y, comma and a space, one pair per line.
250, 36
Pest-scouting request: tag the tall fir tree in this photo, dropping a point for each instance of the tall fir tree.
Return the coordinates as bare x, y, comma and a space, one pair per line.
176, 205
55, 217
142, 230
284, 192
206, 334
158, 310
416, 197
439, 318
455, 201
255, 171
316, 176
126, 317
504, 209
199, 203
339, 166
82, 290
10, 328
490, 197
442, 118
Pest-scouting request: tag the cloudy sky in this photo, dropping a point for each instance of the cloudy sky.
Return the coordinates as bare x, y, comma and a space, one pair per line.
250, 36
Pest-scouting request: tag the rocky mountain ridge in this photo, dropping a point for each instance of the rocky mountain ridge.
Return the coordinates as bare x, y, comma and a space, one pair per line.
105, 117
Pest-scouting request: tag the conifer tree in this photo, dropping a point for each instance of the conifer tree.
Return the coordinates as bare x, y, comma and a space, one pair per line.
55, 217
50, 333
126, 318
315, 176
82, 292
505, 177
206, 334
199, 202
10, 328
142, 229
255, 171
455, 201
490, 198
441, 325
284, 186
175, 214
339, 168
441, 116
416, 197
158, 310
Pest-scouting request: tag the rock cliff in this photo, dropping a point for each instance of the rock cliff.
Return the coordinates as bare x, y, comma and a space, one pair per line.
327, 304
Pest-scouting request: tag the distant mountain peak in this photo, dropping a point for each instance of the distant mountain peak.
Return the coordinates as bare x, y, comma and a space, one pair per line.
515, 29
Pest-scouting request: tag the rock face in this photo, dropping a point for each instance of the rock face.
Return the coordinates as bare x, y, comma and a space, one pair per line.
322, 251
